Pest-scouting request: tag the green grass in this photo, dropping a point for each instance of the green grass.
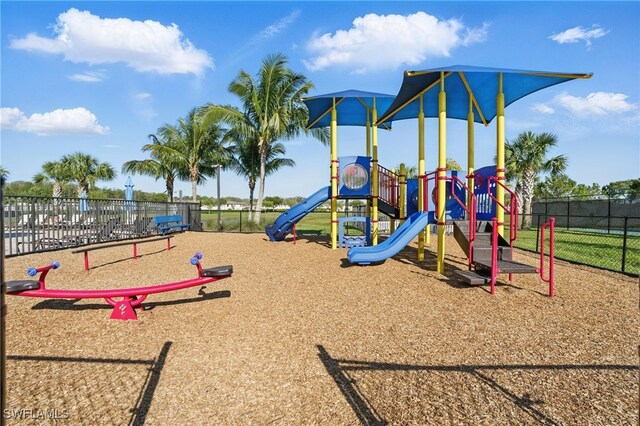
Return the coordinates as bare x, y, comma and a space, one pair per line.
596, 249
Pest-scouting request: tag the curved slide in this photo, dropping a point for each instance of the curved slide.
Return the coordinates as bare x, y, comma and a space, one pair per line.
284, 223
392, 245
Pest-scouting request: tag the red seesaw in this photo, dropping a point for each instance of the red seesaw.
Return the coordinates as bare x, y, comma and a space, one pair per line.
132, 298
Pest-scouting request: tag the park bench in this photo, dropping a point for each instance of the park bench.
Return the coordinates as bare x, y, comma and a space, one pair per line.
124, 243
166, 223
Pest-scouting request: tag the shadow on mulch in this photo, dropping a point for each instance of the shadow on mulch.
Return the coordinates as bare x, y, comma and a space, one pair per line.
364, 409
128, 259
140, 410
70, 304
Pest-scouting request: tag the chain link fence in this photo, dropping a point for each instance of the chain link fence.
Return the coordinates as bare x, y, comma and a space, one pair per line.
317, 222
606, 242
36, 224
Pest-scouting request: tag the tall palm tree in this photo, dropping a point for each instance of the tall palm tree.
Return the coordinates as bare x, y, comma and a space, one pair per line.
158, 166
525, 159
246, 162
195, 146
4, 172
86, 170
272, 110
56, 172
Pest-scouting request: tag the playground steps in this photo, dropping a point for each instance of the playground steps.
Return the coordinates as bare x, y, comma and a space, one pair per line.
482, 253
388, 209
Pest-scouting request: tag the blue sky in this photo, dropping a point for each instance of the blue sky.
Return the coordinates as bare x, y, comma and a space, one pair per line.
98, 77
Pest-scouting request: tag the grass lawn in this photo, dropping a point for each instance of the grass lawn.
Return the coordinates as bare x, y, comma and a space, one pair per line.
236, 221
596, 249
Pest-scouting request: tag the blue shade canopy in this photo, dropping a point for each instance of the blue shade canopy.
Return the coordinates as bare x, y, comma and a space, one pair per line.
462, 81
352, 107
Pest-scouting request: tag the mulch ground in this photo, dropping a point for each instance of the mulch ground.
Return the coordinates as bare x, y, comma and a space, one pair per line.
299, 336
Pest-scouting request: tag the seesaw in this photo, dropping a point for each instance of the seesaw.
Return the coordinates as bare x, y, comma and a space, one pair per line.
132, 298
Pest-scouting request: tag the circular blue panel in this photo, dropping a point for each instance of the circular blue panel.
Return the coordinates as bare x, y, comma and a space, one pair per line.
354, 176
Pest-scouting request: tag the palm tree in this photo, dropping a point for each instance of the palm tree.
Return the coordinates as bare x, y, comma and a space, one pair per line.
4, 172
246, 162
194, 146
158, 166
525, 159
53, 171
86, 170
272, 110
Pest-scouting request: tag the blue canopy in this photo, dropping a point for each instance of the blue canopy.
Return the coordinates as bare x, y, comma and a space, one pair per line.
352, 107
462, 81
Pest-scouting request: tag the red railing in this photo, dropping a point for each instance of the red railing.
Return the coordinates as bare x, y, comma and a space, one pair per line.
471, 211
425, 189
494, 254
512, 209
388, 186
551, 278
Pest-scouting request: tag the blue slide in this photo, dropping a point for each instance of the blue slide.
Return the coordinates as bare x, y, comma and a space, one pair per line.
284, 223
392, 245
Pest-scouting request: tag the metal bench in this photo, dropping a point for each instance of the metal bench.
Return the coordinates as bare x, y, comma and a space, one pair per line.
124, 243
167, 223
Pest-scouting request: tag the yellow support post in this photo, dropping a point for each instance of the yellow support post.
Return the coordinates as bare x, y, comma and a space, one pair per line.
442, 163
470, 151
500, 155
421, 173
334, 176
392, 221
374, 177
403, 192
368, 140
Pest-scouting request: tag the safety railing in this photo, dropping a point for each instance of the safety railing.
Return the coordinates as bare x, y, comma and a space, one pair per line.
494, 255
388, 186
432, 176
470, 210
512, 210
550, 279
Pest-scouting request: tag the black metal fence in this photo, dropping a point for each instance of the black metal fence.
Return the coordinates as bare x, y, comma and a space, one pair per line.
316, 222
35, 224
606, 242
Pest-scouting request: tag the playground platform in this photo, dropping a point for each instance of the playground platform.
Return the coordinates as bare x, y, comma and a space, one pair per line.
298, 335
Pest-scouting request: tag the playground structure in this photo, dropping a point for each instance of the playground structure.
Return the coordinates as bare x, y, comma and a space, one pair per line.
474, 94
132, 298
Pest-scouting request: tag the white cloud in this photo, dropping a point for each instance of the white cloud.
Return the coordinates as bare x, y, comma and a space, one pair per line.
142, 96
543, 108
279, 26
577, 34
390, 41
88, 77
145, 46
598, 103
60, 121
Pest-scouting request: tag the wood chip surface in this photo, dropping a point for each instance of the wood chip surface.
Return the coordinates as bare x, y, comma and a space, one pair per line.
299, 336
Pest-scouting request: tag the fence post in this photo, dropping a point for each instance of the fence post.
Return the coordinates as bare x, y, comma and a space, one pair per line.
538, 233
609, 215
240, 213
624, 244
568, 212
32, 223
